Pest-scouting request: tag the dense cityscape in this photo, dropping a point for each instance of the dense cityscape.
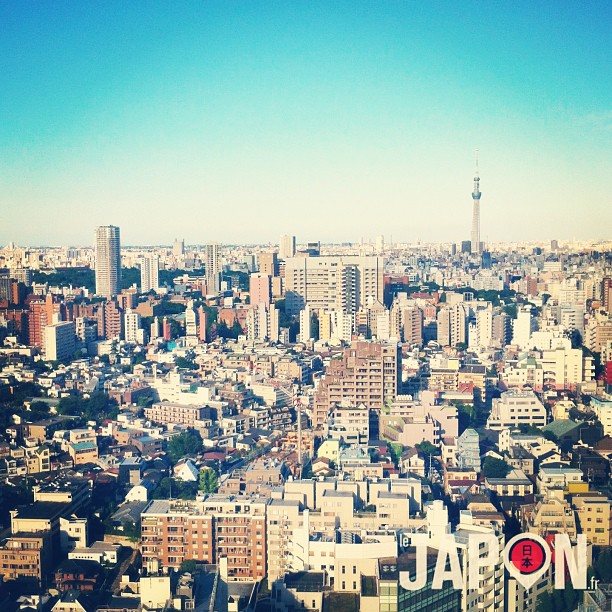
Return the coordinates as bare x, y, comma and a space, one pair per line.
271, 427
305, 306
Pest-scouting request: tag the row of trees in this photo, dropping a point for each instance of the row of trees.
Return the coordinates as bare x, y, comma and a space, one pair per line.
97, 407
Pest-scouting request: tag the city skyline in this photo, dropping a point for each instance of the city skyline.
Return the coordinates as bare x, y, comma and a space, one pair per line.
263, 112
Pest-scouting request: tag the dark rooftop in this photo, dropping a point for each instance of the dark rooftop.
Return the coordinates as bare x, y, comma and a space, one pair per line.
41, 510
305, 582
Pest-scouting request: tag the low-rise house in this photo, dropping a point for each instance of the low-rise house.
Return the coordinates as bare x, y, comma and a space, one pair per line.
557, 476
100, 552
515, 483
186, 471
141, 491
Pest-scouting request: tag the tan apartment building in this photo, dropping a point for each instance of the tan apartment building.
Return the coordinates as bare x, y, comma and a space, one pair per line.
83, 447
594, 517
550, 515
366, 373
26, 556
168, 412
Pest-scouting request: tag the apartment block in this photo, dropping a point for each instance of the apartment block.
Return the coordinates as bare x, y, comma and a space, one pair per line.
516, 407
168, 412
366, 373
345, 283
219, 527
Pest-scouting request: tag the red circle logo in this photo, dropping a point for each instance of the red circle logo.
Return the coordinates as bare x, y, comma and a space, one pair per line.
527, 555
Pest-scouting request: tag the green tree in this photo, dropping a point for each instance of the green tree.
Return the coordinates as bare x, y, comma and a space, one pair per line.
145, 400
38, 410
532, 430
170, 488
129, 277
511, 310
545, 603
63, 277
188, 565
131, 531
603, 566
427, 448
209, 482
465, 416
493, 467
185, 364
188, 443
97, 407
395, 450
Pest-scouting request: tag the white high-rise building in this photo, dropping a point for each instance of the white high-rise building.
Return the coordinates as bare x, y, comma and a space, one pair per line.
481, 331
522, 327
149, 273
342, 324
262, 323
213, 268
191, 324
345, 283
516, 407
60, 340
286, 246
108, 261
305, 322
132, 327
452, 324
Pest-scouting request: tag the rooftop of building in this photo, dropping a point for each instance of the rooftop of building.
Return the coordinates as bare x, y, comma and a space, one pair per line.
561, 427
305, 582
81, 446
41, 510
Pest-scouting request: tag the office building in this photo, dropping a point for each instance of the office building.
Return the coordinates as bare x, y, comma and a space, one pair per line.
133, 333
468, 450
219, 527
213, 268
191, 325
149, 273
60, 340
260, 289
345, 283
108, 261
262, 323
178, 248
169, 412
286, 246
453, 324
268, 264
514, 408
113, 320
522, 327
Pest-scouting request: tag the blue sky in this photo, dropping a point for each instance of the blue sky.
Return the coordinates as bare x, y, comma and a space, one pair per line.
240, 121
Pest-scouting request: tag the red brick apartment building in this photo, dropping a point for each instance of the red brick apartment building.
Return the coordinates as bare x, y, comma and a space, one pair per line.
220, 527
